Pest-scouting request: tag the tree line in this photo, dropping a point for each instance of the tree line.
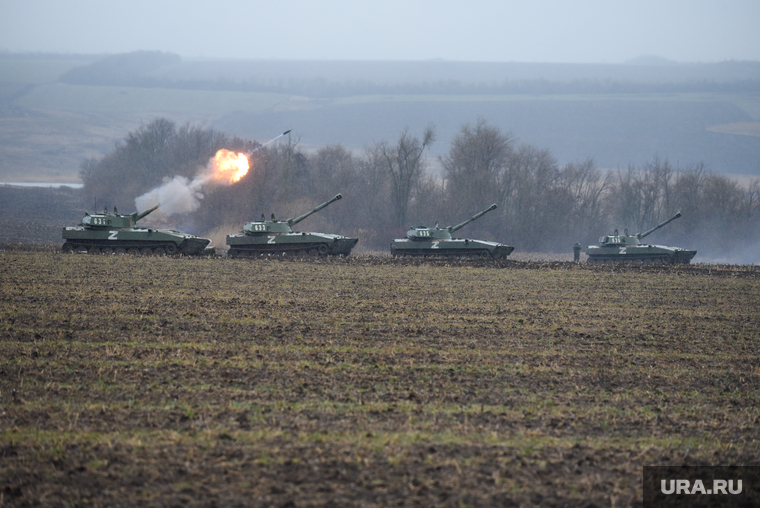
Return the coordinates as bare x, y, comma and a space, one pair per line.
138, 69
543, 206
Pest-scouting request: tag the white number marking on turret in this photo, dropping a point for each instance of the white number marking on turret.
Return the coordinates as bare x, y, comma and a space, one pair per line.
435, 245
271, 239
113, 234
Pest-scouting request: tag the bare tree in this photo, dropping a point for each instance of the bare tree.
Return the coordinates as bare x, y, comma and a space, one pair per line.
131, 168
193, 146
291, 163
149, 149
475, 164
404, 164
586, 186
752, 201
430, 201
642, 197
536, 207
334, 169
374, 219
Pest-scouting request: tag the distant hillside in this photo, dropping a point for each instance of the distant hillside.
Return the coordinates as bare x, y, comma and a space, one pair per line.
118, 70
57, 110
340, 78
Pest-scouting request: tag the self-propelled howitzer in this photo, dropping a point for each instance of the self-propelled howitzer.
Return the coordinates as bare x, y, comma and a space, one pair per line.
276, 237
437, 241
115, 233
625, 247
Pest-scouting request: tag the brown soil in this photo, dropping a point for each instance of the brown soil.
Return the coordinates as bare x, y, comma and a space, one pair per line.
367, 381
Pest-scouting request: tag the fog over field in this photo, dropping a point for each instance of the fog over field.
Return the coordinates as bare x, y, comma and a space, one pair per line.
614, 82
58, 110
555, 31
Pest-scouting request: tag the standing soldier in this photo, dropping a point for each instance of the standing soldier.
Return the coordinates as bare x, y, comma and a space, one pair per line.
576, 252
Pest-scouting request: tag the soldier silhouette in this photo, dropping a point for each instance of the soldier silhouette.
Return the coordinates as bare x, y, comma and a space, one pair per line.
576, 252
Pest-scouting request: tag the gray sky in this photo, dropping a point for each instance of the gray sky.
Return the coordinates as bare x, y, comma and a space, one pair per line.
572, 31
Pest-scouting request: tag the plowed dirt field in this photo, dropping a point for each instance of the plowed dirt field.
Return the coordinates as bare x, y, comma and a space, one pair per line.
367, 381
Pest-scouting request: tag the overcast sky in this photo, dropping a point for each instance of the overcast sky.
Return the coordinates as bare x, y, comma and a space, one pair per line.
572, 31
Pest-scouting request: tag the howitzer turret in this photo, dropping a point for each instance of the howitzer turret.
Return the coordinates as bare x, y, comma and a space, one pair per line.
437, 241
474, 217
658, 226
292, 222
137, 216
275, 237
107, 220
115, 233
625, 247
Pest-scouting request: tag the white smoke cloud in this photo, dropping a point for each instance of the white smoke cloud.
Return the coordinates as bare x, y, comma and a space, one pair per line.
175, 195
182, 195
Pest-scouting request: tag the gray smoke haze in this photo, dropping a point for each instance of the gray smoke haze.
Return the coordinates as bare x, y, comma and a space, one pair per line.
749, 255
179, 194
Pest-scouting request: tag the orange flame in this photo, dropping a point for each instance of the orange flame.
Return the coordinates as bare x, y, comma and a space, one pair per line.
227, 165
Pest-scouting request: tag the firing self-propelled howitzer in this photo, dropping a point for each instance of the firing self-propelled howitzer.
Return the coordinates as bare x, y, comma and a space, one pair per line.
437, 241
625, 247
276, 237
114, 233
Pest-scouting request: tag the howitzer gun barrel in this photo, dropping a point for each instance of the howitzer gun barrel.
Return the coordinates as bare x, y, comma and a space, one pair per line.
658, 226
291, 222
137, 216
474, 217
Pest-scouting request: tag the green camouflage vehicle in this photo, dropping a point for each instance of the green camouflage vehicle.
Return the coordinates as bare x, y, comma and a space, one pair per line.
114, 233
276, 237
436, 241
625, 247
